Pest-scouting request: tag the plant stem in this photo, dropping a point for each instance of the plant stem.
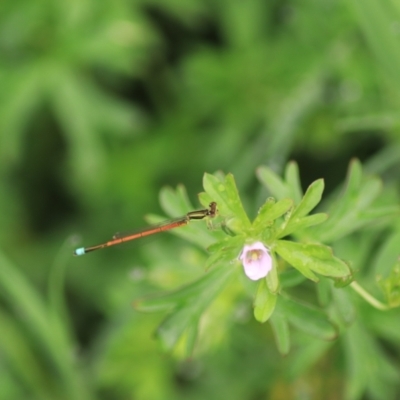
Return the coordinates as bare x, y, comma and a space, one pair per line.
369, 298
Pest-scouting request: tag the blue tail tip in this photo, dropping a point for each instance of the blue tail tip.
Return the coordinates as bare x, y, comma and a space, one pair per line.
79, 252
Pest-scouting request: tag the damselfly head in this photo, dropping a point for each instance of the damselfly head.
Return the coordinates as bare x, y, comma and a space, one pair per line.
213, 211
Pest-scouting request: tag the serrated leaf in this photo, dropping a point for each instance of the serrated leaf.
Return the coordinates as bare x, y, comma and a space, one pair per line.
307, 319
315, 257
264, 303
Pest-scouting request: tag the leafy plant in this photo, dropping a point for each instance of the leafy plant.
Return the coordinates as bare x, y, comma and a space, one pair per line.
104, 102
293, 239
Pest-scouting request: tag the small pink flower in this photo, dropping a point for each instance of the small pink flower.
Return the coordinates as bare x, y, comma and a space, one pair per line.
256, 260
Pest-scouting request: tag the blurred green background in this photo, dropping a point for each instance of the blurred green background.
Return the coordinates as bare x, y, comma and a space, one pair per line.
103, 103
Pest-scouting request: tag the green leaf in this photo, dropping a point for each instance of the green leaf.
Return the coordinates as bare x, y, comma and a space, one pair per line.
192, 332
324, 292
175, 202
23, 90
308, 353
344, 305
387, 254
291, 277
361, 347
307, 319
311, 198
172, 328
264, 303
354, 209
270, 211
368, 192
343, 281
224, 192
354, 176
207, 283
272, 278
18, 352
292, 178
226, 243
189, 313
301, 223
18, 292
226, 256
225, 251
372, 18
273, 183
376, 214
315, 257
69, 100
294, 260
280, 327
195, 232
391, 286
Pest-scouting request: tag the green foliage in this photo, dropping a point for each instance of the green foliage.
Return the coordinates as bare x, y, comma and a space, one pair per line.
312, 257
391, 286
103, 103
264, 302
274, 220
187, 305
